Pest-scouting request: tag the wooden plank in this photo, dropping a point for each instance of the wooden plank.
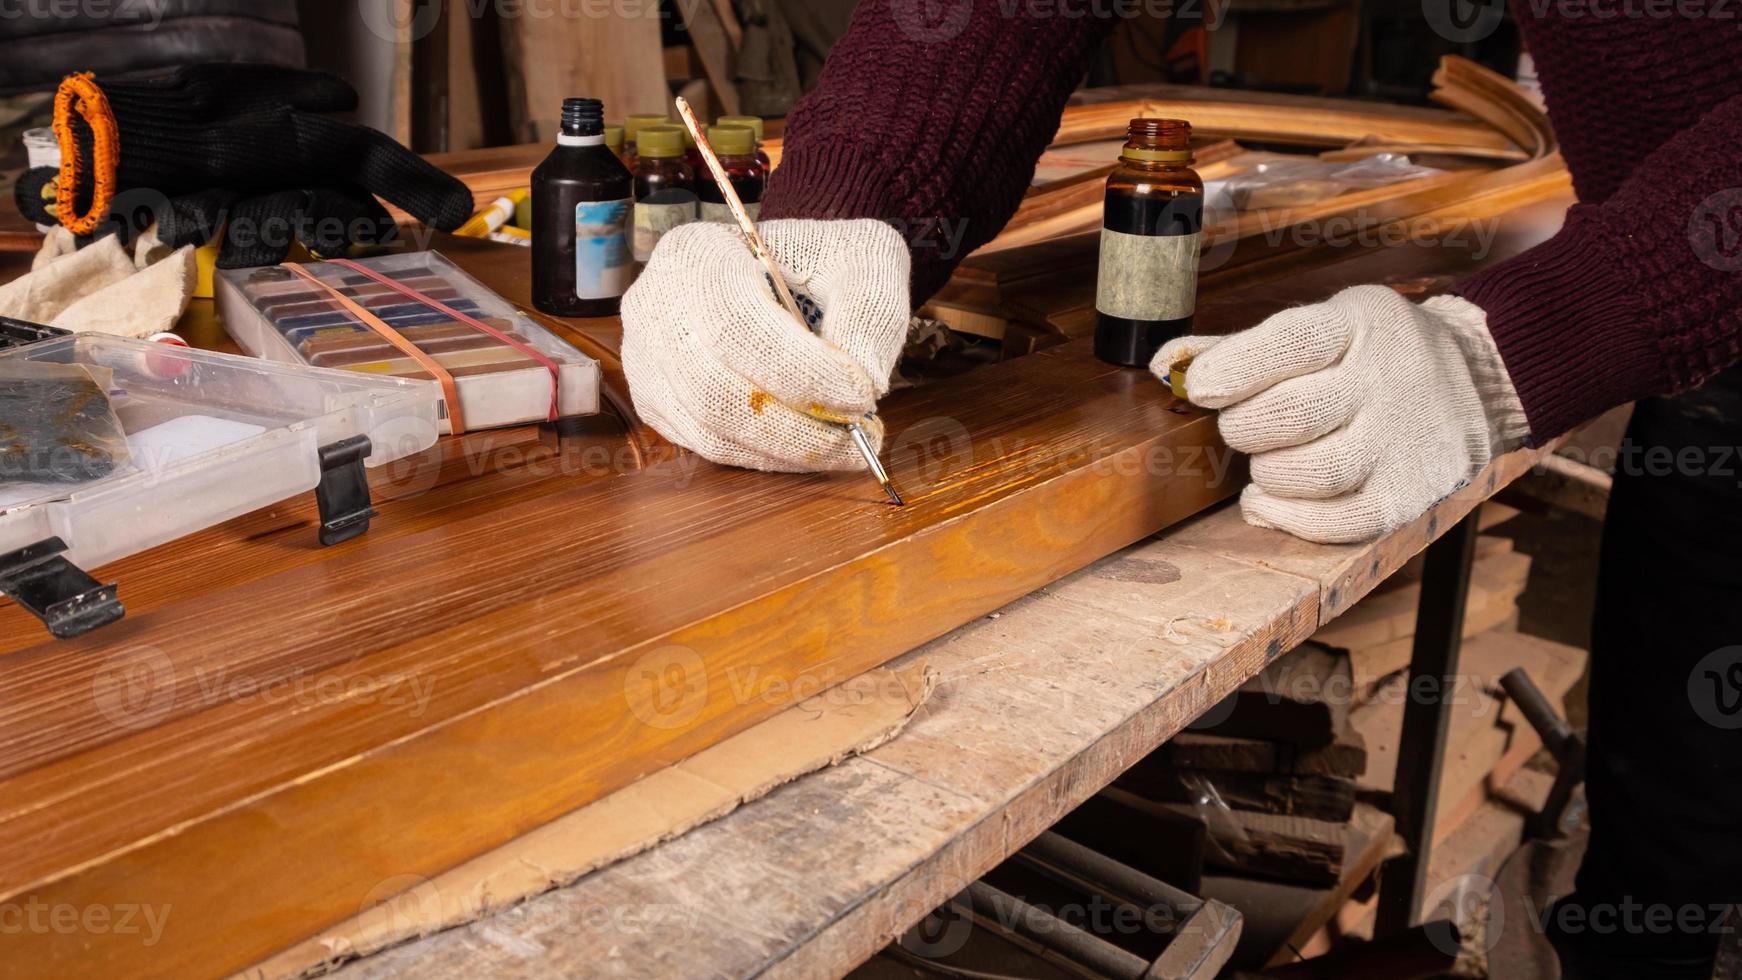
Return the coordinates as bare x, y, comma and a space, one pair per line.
1346, 757
1490, 739
1272, 117
1303, 698
1310, 796
714, 45
549, 58
1280, 914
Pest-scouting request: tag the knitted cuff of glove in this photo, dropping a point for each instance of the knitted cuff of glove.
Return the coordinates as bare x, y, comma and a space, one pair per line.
1507, 426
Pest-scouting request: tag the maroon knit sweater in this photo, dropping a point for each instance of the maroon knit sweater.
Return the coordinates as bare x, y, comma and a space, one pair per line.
932, 114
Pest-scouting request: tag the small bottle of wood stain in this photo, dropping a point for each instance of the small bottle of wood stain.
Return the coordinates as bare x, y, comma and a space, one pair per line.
736, 148
1150, 230
582, 197
632, 127
665, 187
755, 123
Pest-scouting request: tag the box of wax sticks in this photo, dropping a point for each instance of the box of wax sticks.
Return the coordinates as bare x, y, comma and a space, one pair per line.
504, 368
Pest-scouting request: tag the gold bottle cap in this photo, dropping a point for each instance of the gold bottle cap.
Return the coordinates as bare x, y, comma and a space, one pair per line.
754, 123
732, 141
633, 125
659, 141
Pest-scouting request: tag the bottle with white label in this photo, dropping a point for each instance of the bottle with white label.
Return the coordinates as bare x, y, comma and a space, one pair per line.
1151, 228
665, 187
582, 198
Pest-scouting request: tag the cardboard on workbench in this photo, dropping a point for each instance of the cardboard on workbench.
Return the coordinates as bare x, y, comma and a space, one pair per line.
850, 719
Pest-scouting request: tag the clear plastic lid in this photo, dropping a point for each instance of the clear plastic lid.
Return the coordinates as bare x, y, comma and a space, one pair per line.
274, 313
133, 444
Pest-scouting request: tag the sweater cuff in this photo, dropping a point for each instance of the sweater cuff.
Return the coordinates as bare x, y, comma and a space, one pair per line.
835, 180
1570, 339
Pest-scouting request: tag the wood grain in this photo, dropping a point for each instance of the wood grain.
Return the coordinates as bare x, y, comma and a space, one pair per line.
524, 626
277, 735
557, 51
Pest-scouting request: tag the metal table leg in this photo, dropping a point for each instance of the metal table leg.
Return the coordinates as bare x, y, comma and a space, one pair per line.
1427, 717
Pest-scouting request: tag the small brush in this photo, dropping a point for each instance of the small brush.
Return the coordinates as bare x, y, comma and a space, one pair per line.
783, 292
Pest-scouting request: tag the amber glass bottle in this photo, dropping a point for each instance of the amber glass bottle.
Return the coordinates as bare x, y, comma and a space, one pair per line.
614, 140
1154, 215
756, 124
665, 187
581, 200
632, 126
736, 148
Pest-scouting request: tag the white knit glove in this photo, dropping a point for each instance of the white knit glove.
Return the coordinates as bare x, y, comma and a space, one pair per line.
1359, 412
718, 367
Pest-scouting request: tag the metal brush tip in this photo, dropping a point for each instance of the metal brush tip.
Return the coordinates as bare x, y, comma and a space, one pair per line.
894, 495
875, 464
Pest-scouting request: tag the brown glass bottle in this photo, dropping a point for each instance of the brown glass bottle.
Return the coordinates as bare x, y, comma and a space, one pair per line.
735, 146
665, 187
755, 123
581, 200
632, 126
1150, 232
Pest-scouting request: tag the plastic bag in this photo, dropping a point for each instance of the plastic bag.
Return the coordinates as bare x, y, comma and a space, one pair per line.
57, 424
1290, 183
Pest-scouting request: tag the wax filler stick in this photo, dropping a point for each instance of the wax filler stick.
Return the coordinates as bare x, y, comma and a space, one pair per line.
782, 292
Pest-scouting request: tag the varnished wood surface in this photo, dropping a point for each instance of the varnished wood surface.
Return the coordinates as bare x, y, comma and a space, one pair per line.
259, 819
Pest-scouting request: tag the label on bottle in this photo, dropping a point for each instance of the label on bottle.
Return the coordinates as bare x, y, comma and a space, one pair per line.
604, 267
1147, 277
723, 214
659, 214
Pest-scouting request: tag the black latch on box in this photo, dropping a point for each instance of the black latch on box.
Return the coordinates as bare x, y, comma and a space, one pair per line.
343, 493
17, 333
71, 603
54, 590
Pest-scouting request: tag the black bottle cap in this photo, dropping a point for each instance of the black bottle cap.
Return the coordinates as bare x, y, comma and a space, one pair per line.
583, 117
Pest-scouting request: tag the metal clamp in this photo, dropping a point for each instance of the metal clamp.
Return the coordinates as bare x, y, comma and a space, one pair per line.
343, 493
68, 601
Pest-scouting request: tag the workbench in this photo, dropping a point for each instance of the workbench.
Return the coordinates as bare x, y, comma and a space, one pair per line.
518, 574
1038, 707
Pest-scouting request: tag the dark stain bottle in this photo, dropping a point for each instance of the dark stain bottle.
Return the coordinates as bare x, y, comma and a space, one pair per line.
736, 148
582, 199
665, 187
755, 123
1150, 233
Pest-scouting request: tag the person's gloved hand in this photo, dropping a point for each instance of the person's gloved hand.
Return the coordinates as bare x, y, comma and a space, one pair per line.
1359, 412
718, 367
251, 145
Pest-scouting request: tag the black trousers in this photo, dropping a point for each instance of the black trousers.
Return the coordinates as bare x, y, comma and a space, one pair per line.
1665, 762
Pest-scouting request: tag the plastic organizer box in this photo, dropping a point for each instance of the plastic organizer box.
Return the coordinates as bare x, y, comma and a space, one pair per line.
278, 315
109, 447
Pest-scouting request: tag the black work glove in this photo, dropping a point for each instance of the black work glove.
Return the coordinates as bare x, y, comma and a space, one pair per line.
249, 143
